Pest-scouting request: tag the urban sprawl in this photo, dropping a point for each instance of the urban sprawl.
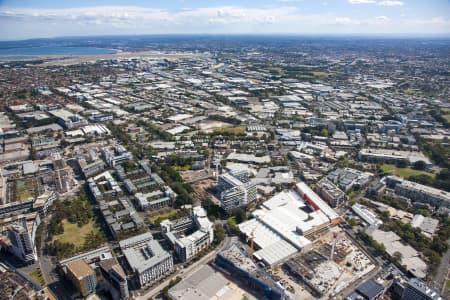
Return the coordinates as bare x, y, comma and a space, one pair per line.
315, 169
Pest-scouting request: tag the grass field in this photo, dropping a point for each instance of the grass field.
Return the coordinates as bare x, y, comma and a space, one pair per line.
276, 70
162, 216
230, 129
403, 172
38, 277
24, 189
411, 92
447, 117
74, 234
319, 73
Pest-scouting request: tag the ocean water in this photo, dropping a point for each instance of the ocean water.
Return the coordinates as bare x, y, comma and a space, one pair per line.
34, 52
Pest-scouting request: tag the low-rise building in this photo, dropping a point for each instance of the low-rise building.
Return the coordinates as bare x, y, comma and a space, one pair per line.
188, 246
418, 192
330, 192
148, 260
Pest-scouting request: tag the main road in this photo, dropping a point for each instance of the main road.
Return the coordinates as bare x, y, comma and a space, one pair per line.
184, 273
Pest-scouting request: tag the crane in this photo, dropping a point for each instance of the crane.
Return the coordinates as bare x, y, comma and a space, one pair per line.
335, 237
251, 238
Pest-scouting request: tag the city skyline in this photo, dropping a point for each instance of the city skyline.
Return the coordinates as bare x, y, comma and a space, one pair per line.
25, 19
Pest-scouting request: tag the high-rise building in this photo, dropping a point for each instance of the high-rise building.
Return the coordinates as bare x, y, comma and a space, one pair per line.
22, 244
236, 190
82, 277
418, 290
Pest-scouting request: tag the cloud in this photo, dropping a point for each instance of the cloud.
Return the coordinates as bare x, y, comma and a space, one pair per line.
361, 1
343, 20
19, 23
379, 3
390, 3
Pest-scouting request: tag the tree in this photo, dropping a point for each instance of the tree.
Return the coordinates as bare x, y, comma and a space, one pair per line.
397, 256
420, 165
239, 215
352, 222
219, 233
401, 164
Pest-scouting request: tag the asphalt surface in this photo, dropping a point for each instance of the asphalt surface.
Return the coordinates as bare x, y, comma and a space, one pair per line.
439, 279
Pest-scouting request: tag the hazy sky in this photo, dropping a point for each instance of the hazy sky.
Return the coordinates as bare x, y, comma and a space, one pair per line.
21, 19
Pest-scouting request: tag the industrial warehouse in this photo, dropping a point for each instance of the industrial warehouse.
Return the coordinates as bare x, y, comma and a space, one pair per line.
287, 223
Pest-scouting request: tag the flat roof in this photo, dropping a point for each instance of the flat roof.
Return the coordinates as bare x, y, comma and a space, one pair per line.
146, 256
79, 268
206, 284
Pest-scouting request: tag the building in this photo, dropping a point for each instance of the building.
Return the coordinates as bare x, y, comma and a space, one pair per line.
91, 169
156, 199
82, 277
366, 215
347, 178
206, 284
116, 156
418, 192
64, 180
427, 225
236, 190
410, 257
67, 119
393, 156
236, 262
120, 216
286, 223
418, 290
22, 241
148, 260
187, 247
368, 290
330, 192
115, 278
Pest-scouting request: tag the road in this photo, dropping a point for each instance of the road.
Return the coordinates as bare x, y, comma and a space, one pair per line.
184, 273
48, 268
442, 270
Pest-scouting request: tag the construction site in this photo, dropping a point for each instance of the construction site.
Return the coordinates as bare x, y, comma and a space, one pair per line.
332, 265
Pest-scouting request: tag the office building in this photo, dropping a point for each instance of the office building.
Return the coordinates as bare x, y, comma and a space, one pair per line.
148, 260
116, 156
82, 277
330, 192
188, 246
22, 242
236, 190
115, 278
418, 290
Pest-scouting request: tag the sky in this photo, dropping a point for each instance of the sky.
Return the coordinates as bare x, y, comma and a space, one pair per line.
24, 19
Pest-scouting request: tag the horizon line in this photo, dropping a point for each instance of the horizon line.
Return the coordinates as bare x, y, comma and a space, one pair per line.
360, 35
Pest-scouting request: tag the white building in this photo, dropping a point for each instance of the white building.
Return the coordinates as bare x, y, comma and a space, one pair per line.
22, 241
236, 191
189, 246
147, 258
285, 224
155, 199
366, 215
116, 156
